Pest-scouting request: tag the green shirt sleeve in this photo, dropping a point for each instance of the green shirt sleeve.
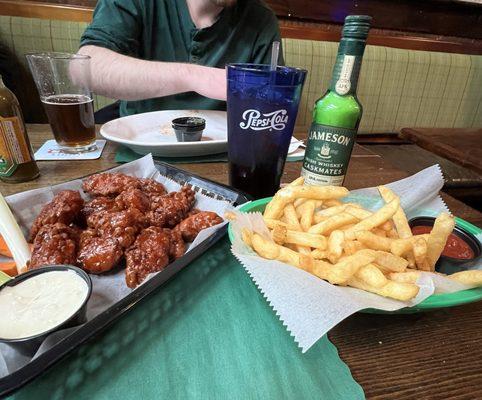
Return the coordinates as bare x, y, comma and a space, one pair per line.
269, 34
116, 25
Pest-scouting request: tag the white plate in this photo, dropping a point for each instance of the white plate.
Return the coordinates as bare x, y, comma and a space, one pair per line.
152, 133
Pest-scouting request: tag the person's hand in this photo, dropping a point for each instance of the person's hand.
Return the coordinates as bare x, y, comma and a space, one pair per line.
210, 82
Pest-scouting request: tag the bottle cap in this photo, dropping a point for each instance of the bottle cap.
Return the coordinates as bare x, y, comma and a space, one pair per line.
356, 26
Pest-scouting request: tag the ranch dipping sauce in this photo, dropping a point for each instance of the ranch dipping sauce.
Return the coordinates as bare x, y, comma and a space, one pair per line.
40, 303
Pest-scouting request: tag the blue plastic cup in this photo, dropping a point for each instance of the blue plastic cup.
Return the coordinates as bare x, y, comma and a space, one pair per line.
262, 109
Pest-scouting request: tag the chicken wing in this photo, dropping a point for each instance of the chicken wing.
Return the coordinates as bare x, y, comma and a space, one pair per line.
108, 184
133, 198
191, 226
121, 225
64, 208
167, 211
55, 244
149, 253
98, 254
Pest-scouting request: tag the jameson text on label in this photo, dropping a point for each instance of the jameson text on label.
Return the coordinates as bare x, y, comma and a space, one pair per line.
327, 154
256, 121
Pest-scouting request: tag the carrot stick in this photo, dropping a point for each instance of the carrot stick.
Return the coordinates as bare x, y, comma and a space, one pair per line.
8, 267
4, 250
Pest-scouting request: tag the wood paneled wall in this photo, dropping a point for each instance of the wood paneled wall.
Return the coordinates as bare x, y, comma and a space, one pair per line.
435, 25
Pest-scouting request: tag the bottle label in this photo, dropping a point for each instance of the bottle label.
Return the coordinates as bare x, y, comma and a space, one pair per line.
14, 149
327, 154
343, 84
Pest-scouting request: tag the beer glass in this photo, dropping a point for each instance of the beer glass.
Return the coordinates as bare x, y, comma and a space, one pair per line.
262, 107
63, 82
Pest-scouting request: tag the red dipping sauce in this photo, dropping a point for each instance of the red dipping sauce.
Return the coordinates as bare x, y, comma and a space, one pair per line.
455, 247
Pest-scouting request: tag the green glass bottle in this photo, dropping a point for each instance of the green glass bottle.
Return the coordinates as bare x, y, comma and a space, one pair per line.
337, 114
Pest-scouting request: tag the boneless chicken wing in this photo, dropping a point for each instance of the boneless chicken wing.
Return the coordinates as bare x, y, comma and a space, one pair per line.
167, 211
99, 204
55, 244
149, 253
64, 208
191, 226
152, 187
133, 198
108, 184
98, 254
121, 225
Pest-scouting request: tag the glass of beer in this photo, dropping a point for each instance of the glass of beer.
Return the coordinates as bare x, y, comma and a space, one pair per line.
63, 82
262, 107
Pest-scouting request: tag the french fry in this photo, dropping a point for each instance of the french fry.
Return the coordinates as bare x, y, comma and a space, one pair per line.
373, 241
442, 228
389, 262
469, 277
273, 251
420, 254
290, 193
379, 232
335, 245
247, 236
332, 223
346, 227
328, 212
349, 266
299, 202
319, 254
358, 212
394, 290
272, 223
409, 276
282, 235
332, 202
291, 218
308, 210
393, 234
399, 218
297, 182
387, 226
374, 220
372, 276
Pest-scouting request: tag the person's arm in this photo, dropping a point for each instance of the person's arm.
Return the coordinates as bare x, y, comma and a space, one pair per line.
127, 78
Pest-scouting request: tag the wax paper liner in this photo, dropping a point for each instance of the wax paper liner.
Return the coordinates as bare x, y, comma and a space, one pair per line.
309, 307
110, 287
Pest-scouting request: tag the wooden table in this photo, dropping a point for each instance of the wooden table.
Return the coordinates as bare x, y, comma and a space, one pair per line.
437, 355
460, 145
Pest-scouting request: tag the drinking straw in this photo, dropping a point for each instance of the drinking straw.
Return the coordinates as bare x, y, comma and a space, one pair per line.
274, 56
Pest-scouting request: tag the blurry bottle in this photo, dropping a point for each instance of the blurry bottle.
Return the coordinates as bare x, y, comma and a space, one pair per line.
17, 163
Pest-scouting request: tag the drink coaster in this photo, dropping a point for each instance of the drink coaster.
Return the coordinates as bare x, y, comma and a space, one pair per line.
50, 151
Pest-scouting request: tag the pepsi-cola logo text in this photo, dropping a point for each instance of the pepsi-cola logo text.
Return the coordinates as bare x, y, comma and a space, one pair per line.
256, 121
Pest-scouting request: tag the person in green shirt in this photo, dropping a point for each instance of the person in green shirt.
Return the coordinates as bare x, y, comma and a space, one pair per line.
170, 54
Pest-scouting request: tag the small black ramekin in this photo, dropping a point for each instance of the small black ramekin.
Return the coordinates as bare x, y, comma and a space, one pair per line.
449, 264
29, 345
188, 129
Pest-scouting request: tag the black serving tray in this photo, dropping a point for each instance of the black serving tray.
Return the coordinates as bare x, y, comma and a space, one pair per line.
36, 367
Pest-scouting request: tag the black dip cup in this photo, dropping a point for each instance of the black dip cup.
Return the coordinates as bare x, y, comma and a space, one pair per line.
29, 345
188, 129
450, 265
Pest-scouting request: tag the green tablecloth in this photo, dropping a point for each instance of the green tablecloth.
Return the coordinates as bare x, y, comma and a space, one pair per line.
207, 334
124, 155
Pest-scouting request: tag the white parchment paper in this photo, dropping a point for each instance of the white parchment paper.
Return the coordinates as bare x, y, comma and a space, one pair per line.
107, 288
308, 306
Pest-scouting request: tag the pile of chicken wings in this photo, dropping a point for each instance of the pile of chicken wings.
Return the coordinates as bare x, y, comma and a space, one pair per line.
128, 220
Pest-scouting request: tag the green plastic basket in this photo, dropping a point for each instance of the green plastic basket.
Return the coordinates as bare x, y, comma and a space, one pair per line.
433, 302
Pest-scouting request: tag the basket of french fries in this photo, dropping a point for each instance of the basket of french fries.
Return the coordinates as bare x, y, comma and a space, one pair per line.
317, 231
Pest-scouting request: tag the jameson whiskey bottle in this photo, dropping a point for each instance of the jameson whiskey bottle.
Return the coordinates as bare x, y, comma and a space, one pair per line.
16, 159
338, 113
